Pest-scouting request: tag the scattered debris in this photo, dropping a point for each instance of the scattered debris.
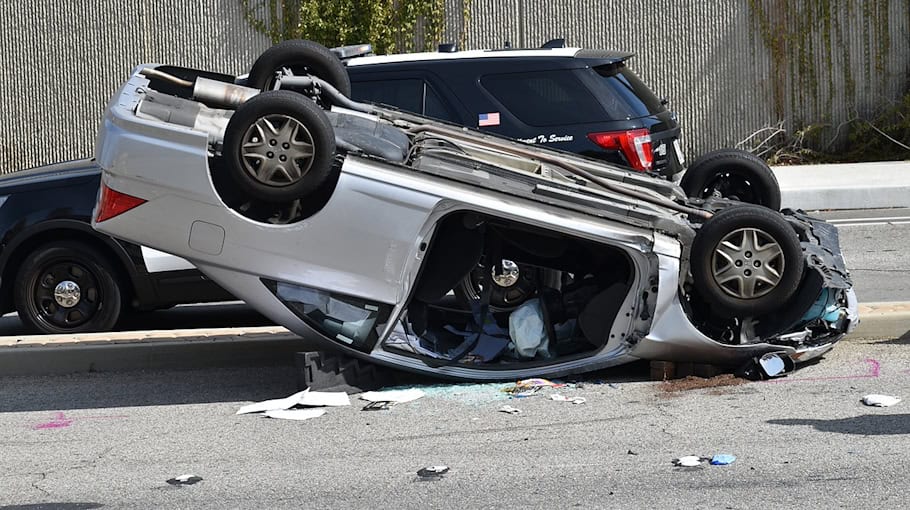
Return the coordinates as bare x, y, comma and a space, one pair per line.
271, 405
302, 398
880, 400
185, 480
630, 452
562, 398
689, 461
529, 387
393, 396
509, 409
295, 414
722, 459
432, 473
376, 406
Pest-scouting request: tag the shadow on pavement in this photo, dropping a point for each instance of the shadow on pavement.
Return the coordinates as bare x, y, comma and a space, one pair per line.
145, 388
867, 425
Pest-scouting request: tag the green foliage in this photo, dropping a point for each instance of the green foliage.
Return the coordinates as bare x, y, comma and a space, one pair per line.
883, 137
391, 26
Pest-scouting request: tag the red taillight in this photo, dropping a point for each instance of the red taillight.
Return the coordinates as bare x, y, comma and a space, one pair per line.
113, 203
635, 145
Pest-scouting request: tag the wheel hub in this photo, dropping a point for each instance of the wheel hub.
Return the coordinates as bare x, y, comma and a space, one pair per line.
67, 293
506, 274
277, 150
748, 263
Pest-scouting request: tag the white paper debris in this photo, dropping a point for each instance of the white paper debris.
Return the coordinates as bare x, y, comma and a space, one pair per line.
880, 400
393, 396
302, 398
688, 461
272, 405
562, 398
509, 409
184, 480
295, 414
325, 399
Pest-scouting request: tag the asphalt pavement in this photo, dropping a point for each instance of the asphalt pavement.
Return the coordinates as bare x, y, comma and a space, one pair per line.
113, 440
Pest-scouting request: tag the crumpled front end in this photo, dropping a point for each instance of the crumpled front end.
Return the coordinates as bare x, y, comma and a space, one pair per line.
806, 326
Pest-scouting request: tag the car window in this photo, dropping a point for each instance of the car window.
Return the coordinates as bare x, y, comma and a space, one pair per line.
406, 94
412, 95
545, 98
621, 90
433, 106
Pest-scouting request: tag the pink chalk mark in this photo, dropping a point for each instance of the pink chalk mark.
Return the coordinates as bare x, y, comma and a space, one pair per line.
874, 371
60, 421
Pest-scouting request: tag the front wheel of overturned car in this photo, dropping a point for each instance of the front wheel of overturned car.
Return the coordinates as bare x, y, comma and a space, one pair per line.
301, 58
67, 287
279, 147
746, 261
734, 174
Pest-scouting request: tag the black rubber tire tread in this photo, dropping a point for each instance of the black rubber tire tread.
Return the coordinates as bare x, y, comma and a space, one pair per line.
294, 105
101, 268
739, 163
300, 56
718, 227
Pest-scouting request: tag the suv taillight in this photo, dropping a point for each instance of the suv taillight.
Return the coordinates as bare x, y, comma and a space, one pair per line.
635, 145
113, 203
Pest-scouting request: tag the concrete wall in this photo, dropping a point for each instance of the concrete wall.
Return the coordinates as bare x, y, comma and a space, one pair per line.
61, 61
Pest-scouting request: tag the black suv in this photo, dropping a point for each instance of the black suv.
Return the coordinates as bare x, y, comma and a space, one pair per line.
579, 100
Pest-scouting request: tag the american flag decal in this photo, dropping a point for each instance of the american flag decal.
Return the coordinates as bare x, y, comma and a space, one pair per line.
488, 119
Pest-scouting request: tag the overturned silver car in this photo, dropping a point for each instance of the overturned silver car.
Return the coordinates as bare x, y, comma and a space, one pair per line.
433, 248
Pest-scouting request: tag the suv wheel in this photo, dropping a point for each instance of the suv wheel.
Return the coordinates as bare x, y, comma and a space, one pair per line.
67, 287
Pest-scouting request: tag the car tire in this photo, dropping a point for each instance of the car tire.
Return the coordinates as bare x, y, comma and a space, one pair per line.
302, 57
746, 261
507, 294
67, 287
279, 147
735, 174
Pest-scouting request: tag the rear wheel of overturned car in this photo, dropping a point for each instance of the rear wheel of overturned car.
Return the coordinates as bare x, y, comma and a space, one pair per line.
513, 284
746, 261
734, 174
301, 58
279, 147
67, 287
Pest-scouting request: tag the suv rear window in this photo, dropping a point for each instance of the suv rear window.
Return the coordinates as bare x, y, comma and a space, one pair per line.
625, 92
545, 98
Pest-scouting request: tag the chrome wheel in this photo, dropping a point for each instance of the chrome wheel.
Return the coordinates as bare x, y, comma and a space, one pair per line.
506, 274
748, 263
277, 150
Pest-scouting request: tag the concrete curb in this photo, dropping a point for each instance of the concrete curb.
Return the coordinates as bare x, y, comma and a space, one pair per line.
256, 346
149, 350
880, 185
